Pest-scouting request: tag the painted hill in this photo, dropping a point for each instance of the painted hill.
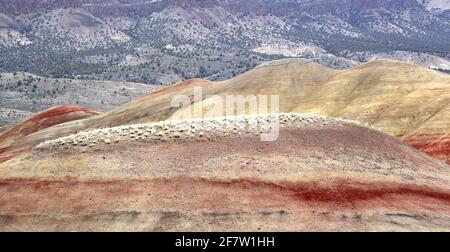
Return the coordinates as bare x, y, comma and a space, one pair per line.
154, 106
320, 175
289, 79
48, 118
402, 99
431, 138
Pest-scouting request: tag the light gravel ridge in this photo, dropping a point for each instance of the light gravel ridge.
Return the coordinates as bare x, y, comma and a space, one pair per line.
195, 129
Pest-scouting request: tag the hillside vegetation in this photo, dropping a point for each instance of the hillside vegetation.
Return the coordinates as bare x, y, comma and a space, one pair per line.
22, 94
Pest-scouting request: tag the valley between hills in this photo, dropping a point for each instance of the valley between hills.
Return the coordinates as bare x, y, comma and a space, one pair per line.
360, 149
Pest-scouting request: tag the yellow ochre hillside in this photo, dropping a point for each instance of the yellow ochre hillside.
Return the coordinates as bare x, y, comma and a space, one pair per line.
402, 99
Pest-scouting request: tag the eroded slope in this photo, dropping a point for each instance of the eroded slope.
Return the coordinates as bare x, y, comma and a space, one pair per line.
321, 174
11, 136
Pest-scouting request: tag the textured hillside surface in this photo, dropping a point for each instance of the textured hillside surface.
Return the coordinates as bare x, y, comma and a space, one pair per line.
155, 106
320, 175
291, 79
402, 99
293, 76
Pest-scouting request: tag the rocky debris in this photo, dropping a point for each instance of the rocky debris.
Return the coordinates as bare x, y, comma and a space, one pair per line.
196, 129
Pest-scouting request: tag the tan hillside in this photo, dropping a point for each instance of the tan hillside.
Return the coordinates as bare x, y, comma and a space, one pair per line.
402, 99
291, 80
391, 95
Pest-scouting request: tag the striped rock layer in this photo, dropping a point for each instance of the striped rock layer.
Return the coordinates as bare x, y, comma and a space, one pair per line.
319, 175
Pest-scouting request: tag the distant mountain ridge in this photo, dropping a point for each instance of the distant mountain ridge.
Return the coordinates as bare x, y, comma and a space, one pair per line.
261, 7
29, 6
165, 41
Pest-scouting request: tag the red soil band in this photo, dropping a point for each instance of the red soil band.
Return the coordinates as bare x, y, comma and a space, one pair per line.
435, 145
178, 86
353, 191
437, 150
23, 195
59, 111
10, 155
